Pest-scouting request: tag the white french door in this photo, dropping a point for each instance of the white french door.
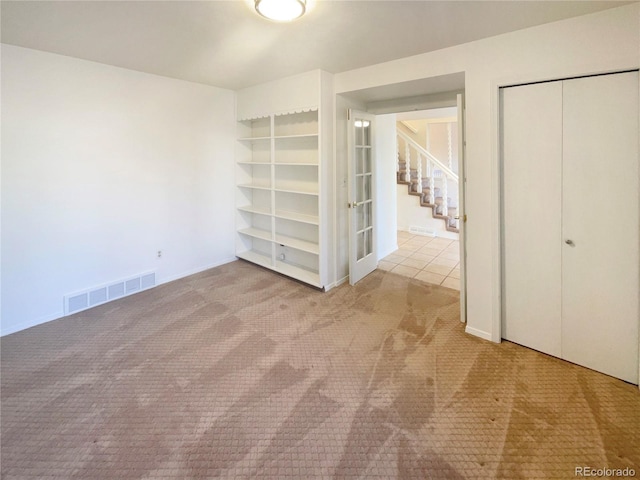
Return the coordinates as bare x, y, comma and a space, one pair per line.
362, 231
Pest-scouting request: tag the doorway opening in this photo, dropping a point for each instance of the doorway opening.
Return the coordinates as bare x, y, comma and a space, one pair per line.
427, 200
421, 248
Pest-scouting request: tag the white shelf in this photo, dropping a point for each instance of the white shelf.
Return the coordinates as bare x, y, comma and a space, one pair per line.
294, 164
297, 217
286, 215
299, 192
257, 187
256, 233
256, 257
295, 271
250, 209
298, 244
305, 135
254, 139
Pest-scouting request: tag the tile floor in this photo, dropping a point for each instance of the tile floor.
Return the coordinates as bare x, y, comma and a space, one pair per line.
430, 259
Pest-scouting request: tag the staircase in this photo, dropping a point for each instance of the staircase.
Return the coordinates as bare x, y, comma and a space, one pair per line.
428, 179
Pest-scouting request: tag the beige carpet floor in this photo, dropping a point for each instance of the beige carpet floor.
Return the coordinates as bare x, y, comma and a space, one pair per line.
240, 373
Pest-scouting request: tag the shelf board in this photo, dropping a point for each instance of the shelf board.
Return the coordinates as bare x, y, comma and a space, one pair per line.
257, 187
300, 273
298, 244
250, 209
286, 190
256, 257
296, 164
298, 217
256, 233
253, 163
303, 135
254, 139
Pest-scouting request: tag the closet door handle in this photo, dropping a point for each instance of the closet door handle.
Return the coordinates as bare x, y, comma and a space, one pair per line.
569, 242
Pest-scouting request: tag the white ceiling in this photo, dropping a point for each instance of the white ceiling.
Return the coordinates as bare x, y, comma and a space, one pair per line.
226, 44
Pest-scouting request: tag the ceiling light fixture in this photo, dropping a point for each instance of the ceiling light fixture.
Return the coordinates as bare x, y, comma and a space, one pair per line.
281, 10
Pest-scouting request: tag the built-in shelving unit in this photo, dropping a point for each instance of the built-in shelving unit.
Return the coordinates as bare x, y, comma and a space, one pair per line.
278, 175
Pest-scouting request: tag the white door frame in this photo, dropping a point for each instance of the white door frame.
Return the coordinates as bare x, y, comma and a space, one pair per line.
440, 103
460, 106
462, 217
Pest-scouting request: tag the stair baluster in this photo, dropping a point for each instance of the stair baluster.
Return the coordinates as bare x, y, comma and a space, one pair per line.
419, 184
445, 193
432, 188
407, 159
433, 169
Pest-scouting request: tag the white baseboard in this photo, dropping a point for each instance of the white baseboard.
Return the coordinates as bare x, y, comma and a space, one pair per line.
335, 284
57, 315
381, 255
435, 233
478, 333
193, 271
449, 235
28, 324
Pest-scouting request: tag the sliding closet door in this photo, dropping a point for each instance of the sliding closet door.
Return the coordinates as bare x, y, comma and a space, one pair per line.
532, 189
600, 228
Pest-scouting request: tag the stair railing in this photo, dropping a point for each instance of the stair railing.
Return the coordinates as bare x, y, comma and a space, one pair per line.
431, 164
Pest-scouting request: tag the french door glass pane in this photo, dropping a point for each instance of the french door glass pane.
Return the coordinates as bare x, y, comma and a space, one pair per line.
360, 241
368, 242
365, 243
359, 135
360, 152
366, 152
366, 132
363, 188
363, 214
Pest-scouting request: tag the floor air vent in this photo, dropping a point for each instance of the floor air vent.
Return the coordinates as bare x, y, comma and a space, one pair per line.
92, 297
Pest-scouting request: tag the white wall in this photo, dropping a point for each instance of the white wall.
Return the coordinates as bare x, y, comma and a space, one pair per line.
386, 221
411, 214
605, 41
101, 168
279, 96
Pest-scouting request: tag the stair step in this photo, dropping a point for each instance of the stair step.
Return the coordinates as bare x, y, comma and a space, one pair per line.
411, 180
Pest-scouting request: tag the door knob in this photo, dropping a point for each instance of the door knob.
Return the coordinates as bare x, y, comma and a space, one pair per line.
569, 242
